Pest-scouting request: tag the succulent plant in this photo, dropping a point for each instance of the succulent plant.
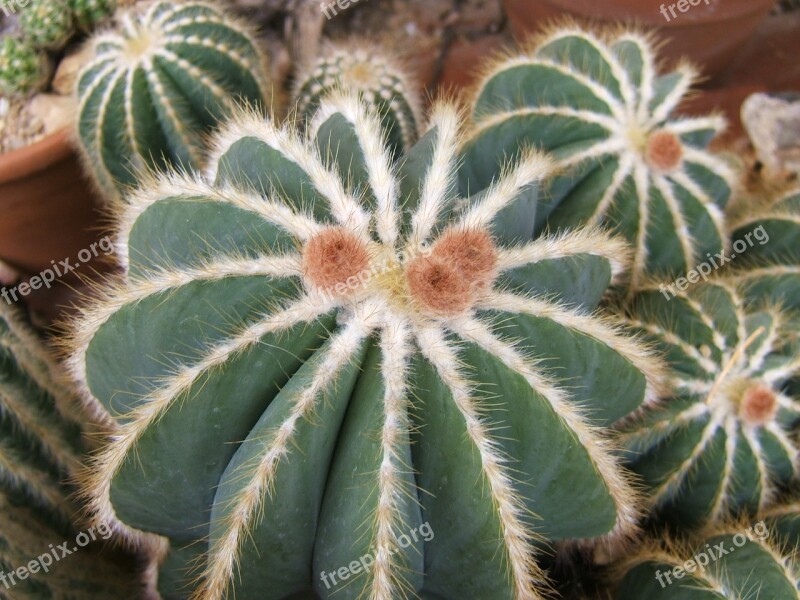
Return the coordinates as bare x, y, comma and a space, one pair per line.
723, 443
314, 386
783, 520
370, 72
155, 88
599, 105
47, 24
769, 270
734, 562
24, 69
88, 14
40, 450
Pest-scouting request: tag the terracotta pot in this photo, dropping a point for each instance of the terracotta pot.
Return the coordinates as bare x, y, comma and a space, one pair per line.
47, 206
709, 32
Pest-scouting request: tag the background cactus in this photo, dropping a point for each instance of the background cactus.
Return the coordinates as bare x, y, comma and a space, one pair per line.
158, 85
47, 24
40, 450
412, 389
368, 71
88, 14
600, 106
723, 444
24, 69
734, 562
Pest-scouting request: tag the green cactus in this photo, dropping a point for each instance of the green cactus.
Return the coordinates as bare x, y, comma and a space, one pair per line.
783, 521
308, 380
88, 14
600, 106
156, 87
769, 269
723, 443
368, 71
40, 449
47, 24
735, 562
24, 69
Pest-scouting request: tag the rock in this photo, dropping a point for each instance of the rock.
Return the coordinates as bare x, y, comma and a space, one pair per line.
67, 72
55, 112
773, 124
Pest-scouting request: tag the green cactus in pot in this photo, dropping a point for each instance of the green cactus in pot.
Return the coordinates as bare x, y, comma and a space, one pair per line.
722, 444
157, 85
365, 395
599, 104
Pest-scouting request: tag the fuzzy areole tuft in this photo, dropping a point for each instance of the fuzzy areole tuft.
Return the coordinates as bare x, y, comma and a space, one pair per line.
332, 257
759, 404
664, 151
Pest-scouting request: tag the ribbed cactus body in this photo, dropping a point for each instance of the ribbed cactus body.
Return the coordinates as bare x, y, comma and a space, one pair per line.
40, 451
723, 443
606, 113
47, 24
736, 562
369, 72
769, 270
158, 85
310, 381
24, 69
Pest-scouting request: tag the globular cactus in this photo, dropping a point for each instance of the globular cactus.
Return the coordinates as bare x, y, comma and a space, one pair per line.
601, 107
157, 86
733, 562
723, 443
40, 451
371, 395
368, 71
783, 521
88, 14
47, 24
768, 268
24, 69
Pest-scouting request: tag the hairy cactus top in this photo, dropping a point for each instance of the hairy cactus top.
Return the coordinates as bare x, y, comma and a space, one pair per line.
369, 72
407, 382
157, 86
723, 444
601, 107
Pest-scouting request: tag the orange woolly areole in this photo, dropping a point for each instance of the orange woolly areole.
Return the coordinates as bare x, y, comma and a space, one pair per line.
332, 257
664, 151
461, 265
759, 404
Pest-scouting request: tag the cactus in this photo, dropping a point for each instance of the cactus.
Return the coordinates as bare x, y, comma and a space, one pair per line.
158, 85
734, 562
770, 269
88, 14
722, 444
599, 105
40, 449
783, 521
309, 381
24, 69
367, 70
47, 25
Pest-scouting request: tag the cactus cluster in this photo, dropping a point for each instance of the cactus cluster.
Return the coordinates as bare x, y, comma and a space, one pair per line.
40, 452
88, 14
600, 106
47, 24
23, 68
366, 71
157, 85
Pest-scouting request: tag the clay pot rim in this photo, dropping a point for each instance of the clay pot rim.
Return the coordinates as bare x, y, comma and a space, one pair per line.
36, 157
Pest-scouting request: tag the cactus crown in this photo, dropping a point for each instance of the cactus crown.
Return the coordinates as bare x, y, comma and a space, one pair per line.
158, 85
24, 69
723, 443
598, 103
382, 337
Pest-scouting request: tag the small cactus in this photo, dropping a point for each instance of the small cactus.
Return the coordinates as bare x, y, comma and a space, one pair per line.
157, 86
723, 443
306, 378
88, 14
24, 69
369, 72
732, 562
47, 24
598, 103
